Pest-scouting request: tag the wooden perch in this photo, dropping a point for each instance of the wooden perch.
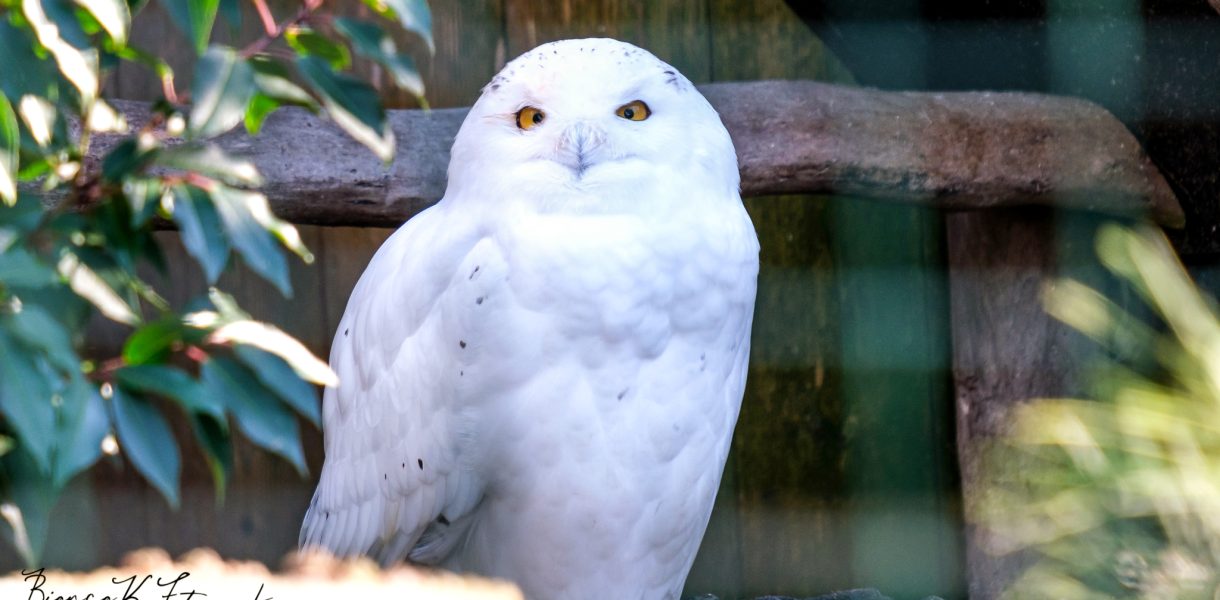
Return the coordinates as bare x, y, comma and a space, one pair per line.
955, 151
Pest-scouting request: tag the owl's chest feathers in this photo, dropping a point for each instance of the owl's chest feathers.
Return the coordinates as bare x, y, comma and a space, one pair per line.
630, 276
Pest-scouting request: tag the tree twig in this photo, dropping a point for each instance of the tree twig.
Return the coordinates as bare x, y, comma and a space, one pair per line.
302, 15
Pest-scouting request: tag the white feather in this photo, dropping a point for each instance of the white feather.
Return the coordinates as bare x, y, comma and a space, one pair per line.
542, 372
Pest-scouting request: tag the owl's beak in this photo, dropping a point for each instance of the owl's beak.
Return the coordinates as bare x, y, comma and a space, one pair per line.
578, 146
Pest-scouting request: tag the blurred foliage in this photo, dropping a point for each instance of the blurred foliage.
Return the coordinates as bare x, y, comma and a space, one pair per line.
1118, 496
74, 229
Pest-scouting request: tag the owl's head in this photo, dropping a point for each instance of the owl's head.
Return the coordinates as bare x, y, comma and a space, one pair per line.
592, 114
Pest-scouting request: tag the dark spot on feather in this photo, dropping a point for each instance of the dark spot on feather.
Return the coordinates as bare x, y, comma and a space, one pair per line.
404, 465
703, 356
345, 332
622, 393
472, 273
442, 520
461, 373
327, 515
478, 300
462, 343
385, 476
420, 461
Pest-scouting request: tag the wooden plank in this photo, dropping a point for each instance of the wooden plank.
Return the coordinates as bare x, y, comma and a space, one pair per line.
956, 151
674, 30
1006, 350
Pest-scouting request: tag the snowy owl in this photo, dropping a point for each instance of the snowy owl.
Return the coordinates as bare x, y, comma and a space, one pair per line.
541, 373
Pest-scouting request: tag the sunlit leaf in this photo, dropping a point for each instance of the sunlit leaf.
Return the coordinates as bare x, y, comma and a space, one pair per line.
195, 18
148, 442
25, 400
78, 66
249, 236
88, 285
6, 444
413, 15
113, 15
103, 118
173, 383
39, 116
209, 159
369, 41
308, 42
223, 85
201, 229
271, 339
268, 424
10, 144
279, 377
81, 425
353, 105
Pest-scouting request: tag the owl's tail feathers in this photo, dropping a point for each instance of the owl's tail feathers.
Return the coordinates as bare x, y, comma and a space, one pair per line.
346, 530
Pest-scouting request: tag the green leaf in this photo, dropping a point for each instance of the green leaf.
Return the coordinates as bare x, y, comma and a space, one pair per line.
208, 159
148, 442
213, 437
36, 328
10, 144
413, 15
353, 105
32, 496
248, 234
231, 11
19, 268
24, 71
260, 107
223, 85
308, 42
80, 428
370, 41
201, 231
274, 81
195, 18
126, 159
113, 16
89, 285
259, 416
25, 400
6, 445
175, 384
152, 342
144, 197
279, 377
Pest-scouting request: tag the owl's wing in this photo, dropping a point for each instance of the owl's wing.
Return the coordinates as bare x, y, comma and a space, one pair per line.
394, 432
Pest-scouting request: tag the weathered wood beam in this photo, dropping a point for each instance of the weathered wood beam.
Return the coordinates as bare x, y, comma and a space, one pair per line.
956, 151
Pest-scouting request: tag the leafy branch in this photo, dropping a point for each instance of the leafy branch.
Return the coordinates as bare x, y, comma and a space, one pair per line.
64, 261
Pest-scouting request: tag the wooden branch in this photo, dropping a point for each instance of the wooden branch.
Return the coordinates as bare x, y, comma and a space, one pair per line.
955, 151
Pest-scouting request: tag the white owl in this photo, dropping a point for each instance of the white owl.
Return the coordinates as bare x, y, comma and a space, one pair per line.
541, 373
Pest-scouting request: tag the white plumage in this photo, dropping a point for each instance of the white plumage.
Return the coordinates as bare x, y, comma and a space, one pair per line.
540, 375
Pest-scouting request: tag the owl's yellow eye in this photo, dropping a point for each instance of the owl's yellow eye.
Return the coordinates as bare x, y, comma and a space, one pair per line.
529, 117
635, 110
